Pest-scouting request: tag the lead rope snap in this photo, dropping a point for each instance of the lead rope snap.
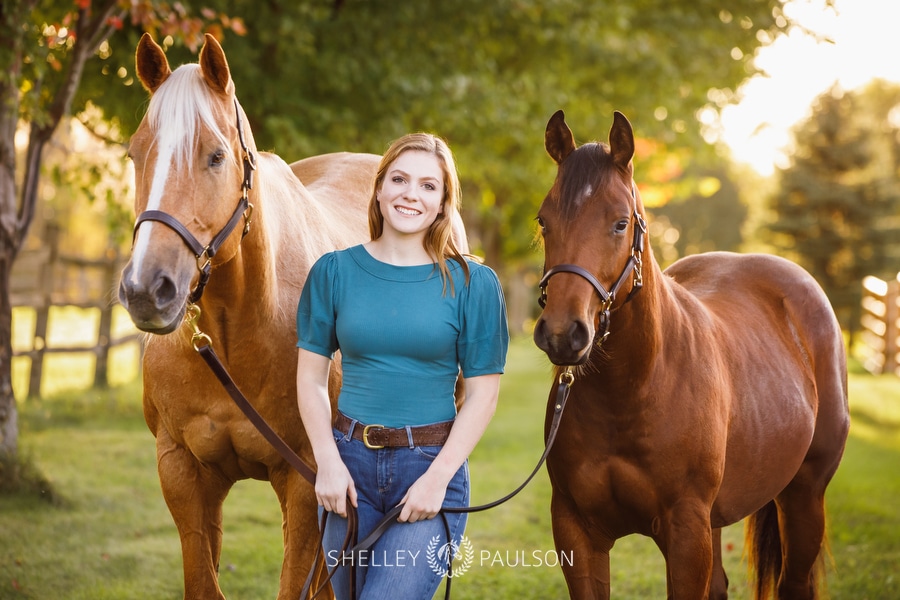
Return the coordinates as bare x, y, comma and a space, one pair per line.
198, 339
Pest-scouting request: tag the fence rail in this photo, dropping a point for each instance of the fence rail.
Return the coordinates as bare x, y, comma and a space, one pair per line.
879, 321
43, 278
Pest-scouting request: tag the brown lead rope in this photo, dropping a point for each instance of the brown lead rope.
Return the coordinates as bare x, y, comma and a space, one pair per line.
566, 379
203, 345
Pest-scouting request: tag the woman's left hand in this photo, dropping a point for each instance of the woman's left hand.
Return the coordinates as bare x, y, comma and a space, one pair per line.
424, 499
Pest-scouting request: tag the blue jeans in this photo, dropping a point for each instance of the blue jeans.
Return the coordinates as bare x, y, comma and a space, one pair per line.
409, 561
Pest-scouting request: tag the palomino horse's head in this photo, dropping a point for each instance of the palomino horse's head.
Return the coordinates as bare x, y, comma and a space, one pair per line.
593, 237
193, 160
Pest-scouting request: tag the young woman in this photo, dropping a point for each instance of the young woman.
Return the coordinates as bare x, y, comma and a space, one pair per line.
409, 313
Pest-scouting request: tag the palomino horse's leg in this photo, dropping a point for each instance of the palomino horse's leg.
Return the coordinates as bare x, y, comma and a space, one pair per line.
194, 494
587, 574
718, 589
298, 507
686, 541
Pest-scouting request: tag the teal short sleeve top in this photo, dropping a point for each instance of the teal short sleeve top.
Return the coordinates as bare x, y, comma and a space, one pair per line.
403, 340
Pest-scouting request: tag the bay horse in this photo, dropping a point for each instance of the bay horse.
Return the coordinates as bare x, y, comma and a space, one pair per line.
703, 394
197, 170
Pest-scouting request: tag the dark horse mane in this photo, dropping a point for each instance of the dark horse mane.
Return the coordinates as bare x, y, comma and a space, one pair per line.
588, 165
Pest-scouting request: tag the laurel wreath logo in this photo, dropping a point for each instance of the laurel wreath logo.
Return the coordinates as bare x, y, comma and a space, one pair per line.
441, 556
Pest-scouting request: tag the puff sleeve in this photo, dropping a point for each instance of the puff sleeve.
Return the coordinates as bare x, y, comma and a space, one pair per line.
316, 310
484, 333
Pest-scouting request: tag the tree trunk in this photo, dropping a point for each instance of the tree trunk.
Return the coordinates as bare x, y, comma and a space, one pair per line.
11, 48
16, 216
9, 416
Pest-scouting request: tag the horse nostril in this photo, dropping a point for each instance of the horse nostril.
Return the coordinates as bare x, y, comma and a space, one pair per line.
540, 335
163, 291
579, 336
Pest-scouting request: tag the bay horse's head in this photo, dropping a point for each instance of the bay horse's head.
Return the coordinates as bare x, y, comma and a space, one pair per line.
593, 237
193, 162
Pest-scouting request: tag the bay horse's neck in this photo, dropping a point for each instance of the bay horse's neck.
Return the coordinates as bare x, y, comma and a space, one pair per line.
627, 357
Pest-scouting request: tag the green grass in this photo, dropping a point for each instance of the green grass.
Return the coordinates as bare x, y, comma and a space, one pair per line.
109, 534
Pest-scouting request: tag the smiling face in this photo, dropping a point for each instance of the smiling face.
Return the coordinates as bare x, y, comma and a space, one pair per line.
411, 194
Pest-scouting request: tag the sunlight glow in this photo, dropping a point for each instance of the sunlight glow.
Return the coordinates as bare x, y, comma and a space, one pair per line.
857, 43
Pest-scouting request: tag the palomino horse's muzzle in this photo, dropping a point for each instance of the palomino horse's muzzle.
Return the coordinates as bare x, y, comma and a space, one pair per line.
607, 297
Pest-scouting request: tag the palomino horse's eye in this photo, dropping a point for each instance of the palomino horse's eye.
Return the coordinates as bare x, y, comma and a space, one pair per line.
217, 158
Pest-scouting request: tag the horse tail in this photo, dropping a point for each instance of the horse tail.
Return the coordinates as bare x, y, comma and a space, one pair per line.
762, 541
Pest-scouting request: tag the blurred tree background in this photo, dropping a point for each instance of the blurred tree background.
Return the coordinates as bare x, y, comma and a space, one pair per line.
836, 210
319, 76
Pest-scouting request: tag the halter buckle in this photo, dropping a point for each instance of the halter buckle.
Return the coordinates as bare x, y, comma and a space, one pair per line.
204, 260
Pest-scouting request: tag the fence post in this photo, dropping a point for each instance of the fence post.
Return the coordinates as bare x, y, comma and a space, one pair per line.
42, 312
890, 322
104, 335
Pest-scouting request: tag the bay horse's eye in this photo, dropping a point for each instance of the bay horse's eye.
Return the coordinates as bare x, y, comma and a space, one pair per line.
622, 226
217, 158
540, 223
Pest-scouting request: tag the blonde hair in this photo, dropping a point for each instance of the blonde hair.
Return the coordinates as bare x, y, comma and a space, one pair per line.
438, 242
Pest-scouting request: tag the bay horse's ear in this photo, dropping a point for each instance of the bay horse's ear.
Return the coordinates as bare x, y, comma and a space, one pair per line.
621, 141
151, 63
558, 139
214, 66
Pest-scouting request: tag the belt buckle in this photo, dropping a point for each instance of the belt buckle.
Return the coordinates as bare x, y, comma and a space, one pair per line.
365, 437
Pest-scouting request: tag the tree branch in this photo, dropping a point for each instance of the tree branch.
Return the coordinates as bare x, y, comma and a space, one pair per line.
89, 34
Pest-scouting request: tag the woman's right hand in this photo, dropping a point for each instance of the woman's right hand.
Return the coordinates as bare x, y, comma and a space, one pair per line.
334, 486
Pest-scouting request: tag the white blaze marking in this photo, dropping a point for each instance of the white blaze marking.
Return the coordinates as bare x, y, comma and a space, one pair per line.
157, 188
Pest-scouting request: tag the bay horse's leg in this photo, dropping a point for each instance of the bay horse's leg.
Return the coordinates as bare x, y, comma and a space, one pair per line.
301, 531
718, 589
801, 505
686, 541
194, 494
803, 528
801, 515
587, 574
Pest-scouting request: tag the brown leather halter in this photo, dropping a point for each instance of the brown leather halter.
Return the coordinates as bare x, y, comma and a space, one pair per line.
607, 297
205, 254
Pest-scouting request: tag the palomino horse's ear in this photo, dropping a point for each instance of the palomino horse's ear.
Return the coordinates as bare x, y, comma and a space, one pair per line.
558, 139
151, 63
621, 141
214, 66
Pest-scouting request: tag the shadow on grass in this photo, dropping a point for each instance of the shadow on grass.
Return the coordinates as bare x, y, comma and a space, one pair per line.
19, 476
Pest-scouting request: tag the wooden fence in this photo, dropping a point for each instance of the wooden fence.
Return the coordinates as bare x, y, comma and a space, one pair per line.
879, 320
44, 278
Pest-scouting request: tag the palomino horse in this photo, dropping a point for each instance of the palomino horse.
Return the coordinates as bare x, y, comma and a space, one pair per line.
718, 390
191, 154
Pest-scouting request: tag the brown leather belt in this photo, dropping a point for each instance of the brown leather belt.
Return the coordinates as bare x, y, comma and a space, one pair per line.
376, 436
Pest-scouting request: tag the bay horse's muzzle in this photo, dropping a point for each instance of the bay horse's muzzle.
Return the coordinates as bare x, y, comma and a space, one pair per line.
569, 346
